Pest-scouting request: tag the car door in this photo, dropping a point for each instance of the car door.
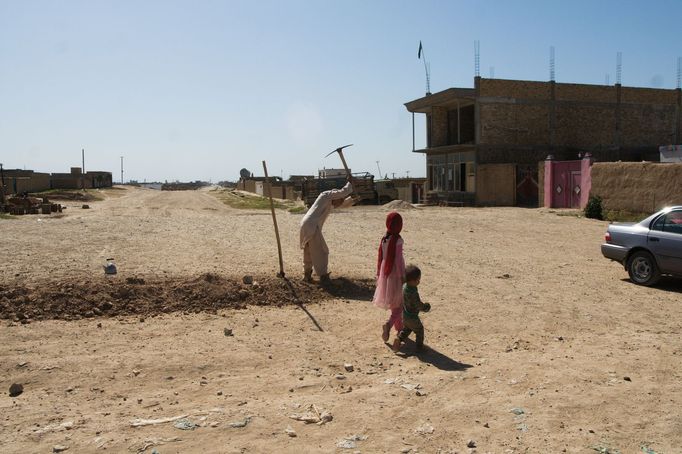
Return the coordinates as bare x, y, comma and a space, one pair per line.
665, 242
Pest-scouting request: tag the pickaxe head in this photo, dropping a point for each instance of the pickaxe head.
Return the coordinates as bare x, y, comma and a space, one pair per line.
338, 149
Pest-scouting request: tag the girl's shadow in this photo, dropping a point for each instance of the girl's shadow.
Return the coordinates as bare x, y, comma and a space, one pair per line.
432, 356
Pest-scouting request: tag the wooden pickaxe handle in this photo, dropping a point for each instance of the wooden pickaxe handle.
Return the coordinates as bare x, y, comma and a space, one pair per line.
345, 166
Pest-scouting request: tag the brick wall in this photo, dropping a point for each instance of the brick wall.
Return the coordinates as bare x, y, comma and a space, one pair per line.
514, 89
585, 125
439, 126
585, 116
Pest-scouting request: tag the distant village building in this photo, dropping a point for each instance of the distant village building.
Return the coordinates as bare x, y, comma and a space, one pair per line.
18, 181
484, 143
76, 179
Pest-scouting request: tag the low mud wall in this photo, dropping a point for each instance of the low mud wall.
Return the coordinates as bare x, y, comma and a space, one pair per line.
638, 187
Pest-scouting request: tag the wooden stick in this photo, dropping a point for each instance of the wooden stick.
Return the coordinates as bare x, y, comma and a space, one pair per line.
274, 220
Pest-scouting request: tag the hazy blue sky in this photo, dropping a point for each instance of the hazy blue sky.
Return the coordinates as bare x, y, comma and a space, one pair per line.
199, 89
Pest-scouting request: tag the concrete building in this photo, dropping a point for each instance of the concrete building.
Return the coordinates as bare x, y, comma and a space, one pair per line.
484, 143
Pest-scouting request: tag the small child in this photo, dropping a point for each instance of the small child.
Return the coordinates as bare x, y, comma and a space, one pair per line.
391, 274
412, 305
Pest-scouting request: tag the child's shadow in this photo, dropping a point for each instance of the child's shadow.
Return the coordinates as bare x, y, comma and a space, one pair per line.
432, 356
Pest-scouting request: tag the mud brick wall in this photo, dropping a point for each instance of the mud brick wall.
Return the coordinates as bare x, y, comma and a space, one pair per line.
521, 89
514, 124
496, 184
586, 93
639, 187
514, 154
637, 95
439, 126
647, 124
585, 116
585, 125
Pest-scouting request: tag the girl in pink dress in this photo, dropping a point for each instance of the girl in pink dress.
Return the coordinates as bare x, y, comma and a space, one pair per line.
391, 274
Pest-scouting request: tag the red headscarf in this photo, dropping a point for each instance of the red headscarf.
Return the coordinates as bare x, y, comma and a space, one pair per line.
394, 224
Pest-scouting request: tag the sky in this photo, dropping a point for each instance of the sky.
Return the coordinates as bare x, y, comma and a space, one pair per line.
197, 90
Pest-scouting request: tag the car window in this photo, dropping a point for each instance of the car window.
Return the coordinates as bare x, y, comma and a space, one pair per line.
671, 222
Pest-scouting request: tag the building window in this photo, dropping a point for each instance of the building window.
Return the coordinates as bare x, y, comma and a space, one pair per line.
452, 172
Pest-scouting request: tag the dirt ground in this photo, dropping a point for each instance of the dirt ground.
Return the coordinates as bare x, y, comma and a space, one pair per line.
537, 343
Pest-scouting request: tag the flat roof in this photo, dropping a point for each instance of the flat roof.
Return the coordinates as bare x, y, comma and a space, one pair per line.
447, 98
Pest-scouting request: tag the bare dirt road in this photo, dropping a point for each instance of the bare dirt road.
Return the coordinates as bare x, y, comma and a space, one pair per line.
538, 344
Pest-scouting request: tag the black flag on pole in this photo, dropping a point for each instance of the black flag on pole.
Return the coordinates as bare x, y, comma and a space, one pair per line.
419, 53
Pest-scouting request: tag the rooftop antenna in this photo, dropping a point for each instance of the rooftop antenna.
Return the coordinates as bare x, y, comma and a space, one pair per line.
607, 79
551, 64
379, 168
477, 58
619, 67
679, 72
427, 67
492, 72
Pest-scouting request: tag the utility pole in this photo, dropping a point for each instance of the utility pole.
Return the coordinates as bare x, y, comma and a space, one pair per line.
379, 169
83, 169
2, 186
121, 169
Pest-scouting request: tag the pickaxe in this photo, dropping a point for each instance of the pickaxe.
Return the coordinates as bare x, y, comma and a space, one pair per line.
343, 160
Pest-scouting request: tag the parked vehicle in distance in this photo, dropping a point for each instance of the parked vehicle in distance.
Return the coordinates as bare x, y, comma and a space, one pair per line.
649, 248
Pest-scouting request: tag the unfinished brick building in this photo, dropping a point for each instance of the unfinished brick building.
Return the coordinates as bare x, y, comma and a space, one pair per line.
484, 143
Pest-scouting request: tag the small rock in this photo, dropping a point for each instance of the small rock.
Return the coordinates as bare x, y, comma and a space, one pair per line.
203, 382
340, 377
421, 393
405, 450
291, 432
227, 332
471, 444
627, 379
486, 425
348, 367
517, 411
15, 389
248, 279
85, 207
425, 429
59, 448
239, 424
99, 325
136, 372
219, 393
185, 424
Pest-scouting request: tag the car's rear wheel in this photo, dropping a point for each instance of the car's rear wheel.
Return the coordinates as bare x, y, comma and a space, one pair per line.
642, 268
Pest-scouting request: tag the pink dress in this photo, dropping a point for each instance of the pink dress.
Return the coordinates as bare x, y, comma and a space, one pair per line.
389, 291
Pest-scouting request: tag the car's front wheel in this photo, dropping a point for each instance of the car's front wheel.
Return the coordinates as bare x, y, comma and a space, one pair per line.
642, 268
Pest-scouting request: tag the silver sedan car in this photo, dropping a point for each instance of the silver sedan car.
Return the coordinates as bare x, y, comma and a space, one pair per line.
649, 248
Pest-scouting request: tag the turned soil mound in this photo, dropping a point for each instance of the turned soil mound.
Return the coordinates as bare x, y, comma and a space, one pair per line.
138, 296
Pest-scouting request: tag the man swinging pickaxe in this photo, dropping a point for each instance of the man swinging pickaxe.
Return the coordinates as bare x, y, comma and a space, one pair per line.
349, 177
315, 250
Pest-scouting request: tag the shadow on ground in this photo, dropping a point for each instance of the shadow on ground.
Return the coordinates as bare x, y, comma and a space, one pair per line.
432, 356
666, 284
355, 289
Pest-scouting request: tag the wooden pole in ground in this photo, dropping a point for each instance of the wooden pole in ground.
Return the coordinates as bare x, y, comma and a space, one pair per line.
274, 220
